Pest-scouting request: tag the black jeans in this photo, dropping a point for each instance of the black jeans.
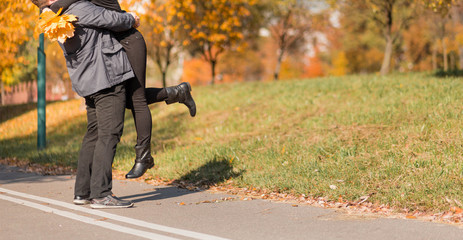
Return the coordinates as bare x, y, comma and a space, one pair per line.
105, 122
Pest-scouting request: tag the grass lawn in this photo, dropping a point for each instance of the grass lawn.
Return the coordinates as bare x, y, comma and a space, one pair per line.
396, 138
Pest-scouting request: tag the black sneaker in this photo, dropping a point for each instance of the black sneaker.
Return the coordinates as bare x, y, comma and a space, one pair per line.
110, 201
81, 200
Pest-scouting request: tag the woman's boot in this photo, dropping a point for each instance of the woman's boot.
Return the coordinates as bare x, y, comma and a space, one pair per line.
143, 161
181, 93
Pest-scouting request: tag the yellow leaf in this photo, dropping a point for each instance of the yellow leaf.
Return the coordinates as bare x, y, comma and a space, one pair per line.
56, 27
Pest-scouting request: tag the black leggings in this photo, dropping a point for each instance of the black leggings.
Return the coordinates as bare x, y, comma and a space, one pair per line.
135, 47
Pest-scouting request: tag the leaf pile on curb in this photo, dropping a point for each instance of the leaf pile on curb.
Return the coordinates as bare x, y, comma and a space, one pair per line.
359, 207
26, 166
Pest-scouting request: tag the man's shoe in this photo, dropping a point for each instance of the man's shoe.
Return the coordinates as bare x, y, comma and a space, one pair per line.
110, 201
81, 200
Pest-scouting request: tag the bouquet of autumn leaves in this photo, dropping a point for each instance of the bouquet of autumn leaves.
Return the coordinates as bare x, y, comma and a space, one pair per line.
56, 27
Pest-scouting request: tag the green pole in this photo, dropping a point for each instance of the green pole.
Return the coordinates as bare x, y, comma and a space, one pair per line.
41, 133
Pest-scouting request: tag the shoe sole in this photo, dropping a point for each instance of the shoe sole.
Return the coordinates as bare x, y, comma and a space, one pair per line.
99, 206
189, 90
81, 202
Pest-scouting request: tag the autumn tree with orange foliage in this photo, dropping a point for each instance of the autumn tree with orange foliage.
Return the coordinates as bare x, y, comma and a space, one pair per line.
164, 33
214, 26
16, 20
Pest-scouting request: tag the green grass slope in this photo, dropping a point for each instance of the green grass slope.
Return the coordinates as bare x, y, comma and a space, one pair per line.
396, 138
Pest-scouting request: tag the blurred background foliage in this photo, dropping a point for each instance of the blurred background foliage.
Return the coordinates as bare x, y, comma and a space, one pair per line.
215, 41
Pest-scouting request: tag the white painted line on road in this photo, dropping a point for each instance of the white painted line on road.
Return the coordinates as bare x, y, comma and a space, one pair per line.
88, 220
126, 220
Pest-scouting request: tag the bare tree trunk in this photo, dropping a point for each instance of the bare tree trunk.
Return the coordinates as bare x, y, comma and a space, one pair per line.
164, 76
276, 74
452, 61
456, 21
460, 57
385, 67
213, 66
445, 56
434, 58
2, 89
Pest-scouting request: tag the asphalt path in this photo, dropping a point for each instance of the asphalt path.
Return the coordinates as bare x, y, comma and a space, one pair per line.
40, 207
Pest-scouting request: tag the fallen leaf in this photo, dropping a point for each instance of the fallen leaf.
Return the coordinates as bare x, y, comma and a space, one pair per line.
410, 217
333, 187
456, 210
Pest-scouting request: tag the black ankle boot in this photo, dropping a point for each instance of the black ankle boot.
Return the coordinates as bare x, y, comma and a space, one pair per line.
181, 93
143, 161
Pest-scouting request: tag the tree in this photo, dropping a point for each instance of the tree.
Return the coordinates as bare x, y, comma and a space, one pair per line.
440, 6
457, 22
289, 25
214, 26
16, 21
390, 16
163, 33
447, 31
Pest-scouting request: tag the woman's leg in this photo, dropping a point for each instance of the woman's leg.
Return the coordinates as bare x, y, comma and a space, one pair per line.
135, 47
180, 93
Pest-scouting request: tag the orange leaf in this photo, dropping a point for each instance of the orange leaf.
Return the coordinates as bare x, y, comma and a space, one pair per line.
56, 27
456, 210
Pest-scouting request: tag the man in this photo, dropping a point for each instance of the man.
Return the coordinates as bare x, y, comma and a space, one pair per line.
98, 68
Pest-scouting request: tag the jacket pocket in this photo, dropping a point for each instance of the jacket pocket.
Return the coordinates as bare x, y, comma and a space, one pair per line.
116, 62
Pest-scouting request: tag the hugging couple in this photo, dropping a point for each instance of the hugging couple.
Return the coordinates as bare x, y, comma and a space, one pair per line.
106, 61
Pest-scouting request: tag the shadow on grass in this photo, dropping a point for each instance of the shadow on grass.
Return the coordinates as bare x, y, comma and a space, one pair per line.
11, 111
211, 173
450, 73
63, 144
64, 140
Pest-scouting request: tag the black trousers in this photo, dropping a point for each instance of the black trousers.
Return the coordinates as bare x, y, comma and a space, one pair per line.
105, 122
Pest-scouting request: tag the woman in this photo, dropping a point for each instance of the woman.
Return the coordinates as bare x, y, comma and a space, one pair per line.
137, 96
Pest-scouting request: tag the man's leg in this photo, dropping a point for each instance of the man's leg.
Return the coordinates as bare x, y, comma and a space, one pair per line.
110, 108
84, 164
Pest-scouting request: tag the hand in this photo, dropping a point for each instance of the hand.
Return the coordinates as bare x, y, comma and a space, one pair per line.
137, 19
46, 9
